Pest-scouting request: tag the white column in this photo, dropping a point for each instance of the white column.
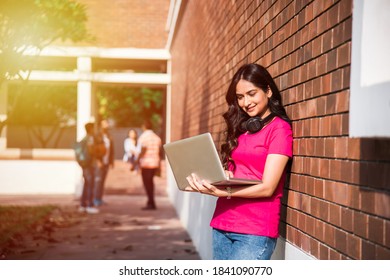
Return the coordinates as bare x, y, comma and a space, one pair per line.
84, 97
84, 107
168, 105
3, 114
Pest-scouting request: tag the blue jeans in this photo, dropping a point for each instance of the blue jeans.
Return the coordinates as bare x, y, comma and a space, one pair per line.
100, 179
86, 199
237, 246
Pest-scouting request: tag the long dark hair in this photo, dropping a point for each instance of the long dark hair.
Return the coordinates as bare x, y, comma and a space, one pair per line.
260, 77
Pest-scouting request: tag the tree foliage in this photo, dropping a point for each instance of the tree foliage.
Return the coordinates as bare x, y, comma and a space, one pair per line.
36, 24
129, 107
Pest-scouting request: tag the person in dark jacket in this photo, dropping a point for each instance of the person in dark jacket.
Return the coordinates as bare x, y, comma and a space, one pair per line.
105, 162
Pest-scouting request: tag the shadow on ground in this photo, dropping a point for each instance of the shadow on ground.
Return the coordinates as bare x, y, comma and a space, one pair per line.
121, 231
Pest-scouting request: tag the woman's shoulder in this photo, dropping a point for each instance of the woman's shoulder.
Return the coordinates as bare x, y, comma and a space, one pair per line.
279, 123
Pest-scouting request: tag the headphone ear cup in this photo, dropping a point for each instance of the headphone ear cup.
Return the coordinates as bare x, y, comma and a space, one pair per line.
254, 125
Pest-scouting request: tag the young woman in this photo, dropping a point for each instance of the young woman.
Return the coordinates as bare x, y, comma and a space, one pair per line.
258, 145
131, 149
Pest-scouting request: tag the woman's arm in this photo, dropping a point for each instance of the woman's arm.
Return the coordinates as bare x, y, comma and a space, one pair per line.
273, 170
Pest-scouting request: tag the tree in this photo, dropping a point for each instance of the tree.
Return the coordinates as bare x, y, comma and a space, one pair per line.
35, 24
45, 112
129, 106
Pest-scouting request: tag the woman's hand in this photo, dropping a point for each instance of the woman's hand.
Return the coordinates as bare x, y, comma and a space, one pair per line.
201, 186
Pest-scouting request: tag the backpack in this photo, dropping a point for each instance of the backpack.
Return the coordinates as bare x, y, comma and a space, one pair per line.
83, 157
99, 147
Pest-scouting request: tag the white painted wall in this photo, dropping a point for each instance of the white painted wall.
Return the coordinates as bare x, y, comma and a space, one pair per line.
370, 71
195, 212
40, 177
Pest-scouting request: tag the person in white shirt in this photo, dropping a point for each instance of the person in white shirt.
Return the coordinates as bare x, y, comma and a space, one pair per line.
130, 146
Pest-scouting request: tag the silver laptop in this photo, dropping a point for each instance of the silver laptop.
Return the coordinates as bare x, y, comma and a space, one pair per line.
198, 155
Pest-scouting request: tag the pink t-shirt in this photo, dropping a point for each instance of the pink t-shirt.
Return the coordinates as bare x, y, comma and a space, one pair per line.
257, 216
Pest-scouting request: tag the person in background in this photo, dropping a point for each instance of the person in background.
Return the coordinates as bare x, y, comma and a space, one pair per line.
105, 161
149, 161
86, 199
130, 146
258, 145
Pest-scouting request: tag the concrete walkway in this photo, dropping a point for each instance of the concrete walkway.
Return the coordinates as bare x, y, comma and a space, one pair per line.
121, 231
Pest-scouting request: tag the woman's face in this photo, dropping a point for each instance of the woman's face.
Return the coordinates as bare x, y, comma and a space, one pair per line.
253, 100
132, 134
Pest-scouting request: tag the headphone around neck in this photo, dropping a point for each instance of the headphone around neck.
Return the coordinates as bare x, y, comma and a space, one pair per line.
255, 124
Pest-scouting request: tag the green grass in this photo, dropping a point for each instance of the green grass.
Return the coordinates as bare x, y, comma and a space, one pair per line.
18, 219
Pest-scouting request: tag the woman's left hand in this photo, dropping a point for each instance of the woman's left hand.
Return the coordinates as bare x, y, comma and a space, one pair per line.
197, 185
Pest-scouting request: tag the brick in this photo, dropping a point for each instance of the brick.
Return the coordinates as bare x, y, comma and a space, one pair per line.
324, 166
347, 169
330, 104
387, 233
342, 100
347, 219
340, 147
368, 200
314, 167
314, 127
314, 248
319, 188
310, 186
354, 247
332, 61
336, 172
344, 55
341, 240
335, 214
333, 14
354, 148
317, 45
305, 243
382, 204
368, 250
290, 234
336, 81
310, 225
128, 23
334, 255
344, 124
324, 210
346, 77
329, 235
319, 230
360, 226
320, 147
376, 230
305, 203
345, 9
355, 197
324, 252
327, 39
326, 84
301, 221
329, 144
382, 253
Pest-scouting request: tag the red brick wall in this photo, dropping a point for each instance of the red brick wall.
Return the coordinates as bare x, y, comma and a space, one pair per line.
127, 23
337, 204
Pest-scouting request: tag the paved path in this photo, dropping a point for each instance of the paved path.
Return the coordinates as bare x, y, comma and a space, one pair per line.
121, 231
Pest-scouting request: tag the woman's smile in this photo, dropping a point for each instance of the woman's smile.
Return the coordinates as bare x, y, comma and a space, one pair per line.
251, 99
